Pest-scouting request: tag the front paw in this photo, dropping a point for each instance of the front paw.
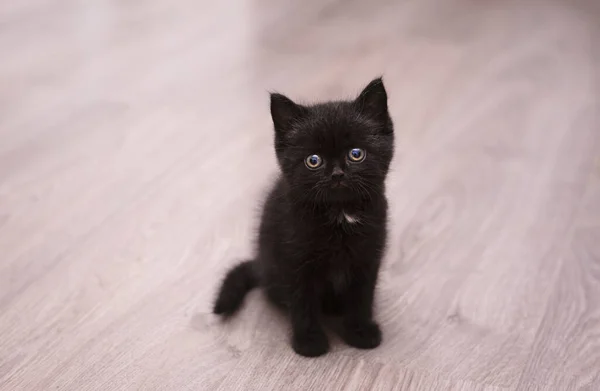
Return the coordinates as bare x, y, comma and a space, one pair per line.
362, 335
310, 343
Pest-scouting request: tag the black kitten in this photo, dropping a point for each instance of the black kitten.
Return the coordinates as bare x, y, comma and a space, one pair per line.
323, 228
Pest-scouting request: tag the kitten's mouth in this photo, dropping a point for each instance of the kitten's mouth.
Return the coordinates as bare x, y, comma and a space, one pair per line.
338, 185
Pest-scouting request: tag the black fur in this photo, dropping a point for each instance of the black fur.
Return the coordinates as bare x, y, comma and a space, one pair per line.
323, 231
239, 281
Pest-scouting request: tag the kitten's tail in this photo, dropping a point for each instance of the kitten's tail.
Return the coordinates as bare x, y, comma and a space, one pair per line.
240, 280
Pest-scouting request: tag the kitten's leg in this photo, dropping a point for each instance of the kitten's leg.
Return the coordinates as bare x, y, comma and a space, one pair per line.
359, 328
308, 337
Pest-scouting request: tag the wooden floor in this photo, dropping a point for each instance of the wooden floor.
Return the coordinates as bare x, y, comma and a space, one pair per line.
136, 144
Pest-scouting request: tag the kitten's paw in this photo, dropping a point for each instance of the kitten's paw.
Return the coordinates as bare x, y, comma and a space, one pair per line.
362, 335
310, 343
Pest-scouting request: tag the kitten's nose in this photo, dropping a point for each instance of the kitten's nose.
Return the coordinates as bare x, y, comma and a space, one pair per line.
337, 174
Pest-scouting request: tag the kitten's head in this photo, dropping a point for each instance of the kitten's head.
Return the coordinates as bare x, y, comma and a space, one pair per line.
335, 151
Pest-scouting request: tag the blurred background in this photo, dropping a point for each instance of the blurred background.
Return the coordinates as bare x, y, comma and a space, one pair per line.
136, 147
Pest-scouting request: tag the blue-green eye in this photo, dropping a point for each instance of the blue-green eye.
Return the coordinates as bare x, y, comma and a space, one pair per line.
313, 162
357, 155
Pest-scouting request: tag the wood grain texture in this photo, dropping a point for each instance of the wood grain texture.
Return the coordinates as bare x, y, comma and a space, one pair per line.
136, 144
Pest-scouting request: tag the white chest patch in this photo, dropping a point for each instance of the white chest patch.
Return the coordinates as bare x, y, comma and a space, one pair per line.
350, 219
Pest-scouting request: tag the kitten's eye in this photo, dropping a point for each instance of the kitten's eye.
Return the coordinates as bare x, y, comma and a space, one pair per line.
357, 155
313, 162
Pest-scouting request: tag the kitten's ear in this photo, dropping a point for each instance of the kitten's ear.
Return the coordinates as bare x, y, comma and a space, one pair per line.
284, 112
372, 101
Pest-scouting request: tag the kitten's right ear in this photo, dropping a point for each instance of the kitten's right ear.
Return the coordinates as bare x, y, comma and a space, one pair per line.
373, 100
284, 112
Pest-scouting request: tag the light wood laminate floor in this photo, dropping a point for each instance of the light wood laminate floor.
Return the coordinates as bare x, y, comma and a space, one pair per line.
136, 146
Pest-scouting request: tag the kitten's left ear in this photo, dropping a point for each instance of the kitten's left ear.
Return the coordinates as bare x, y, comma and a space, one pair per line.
285, 112
372, 101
